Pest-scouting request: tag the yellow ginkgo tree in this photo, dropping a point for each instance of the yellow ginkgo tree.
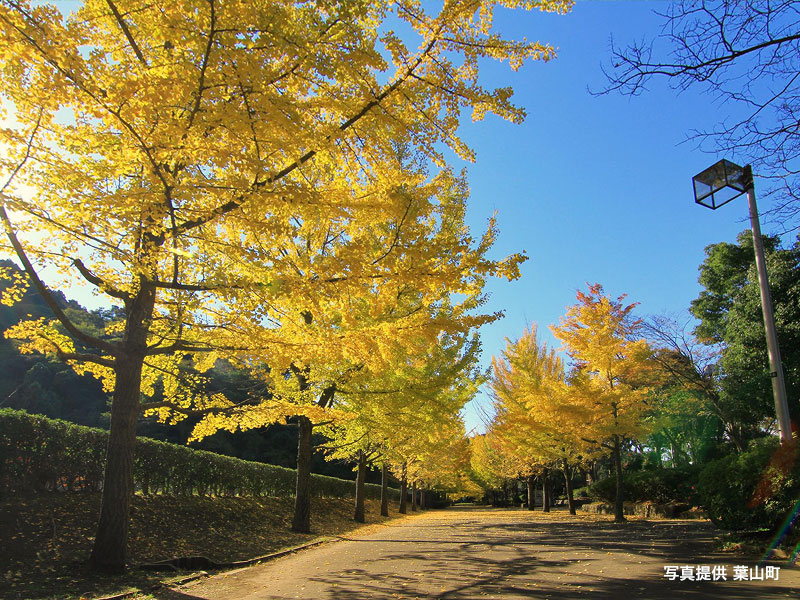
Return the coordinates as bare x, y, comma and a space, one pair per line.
178, 156
533, 413
610, 378
397, 416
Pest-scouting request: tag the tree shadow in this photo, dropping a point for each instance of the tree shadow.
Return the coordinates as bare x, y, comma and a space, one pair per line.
500, 560
512, 555
172, 594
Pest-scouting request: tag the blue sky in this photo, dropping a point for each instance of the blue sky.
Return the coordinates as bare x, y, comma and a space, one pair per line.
594, 189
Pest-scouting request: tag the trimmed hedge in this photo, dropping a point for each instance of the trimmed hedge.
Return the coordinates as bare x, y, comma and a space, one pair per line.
38, 454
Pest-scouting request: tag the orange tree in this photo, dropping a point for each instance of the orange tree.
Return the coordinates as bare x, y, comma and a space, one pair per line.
179, 156
600, 335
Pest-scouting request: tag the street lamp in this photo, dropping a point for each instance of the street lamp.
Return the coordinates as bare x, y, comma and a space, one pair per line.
715, 187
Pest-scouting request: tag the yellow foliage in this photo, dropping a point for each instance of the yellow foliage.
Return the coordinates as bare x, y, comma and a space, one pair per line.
600, 335
15, 289
251, 180
39, 336
535, 420
45, 337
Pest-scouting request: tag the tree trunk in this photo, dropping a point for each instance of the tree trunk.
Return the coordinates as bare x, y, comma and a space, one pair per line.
414, 496
619, 515
658, 456
545, 490
423, 504
384, 491
362, 473
736, 438
403, 492
109, 552
568, 480
531, 492
301, 523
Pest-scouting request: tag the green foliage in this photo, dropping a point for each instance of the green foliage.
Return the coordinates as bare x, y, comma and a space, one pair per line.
41, 455
755, 489
581, 492
682, 421
723, 274
656, 485
729, 310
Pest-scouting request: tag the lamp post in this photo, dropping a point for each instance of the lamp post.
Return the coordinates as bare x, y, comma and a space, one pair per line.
715, 187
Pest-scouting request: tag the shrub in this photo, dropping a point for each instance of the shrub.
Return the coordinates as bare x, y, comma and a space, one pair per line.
38, 454
755, 489
652, 485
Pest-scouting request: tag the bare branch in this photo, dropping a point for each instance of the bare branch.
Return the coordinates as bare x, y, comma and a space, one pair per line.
746, 55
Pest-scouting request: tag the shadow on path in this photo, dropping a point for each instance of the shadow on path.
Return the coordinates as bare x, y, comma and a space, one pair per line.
510, 554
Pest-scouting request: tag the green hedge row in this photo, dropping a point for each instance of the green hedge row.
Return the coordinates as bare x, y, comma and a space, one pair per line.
38, 454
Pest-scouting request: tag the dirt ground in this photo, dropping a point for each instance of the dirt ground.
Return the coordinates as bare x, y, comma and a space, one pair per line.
46, 539
495, 553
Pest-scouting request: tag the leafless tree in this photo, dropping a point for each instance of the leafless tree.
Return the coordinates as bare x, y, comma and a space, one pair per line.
746, 55
690, 365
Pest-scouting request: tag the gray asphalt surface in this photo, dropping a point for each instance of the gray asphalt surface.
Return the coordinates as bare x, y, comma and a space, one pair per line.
493, 553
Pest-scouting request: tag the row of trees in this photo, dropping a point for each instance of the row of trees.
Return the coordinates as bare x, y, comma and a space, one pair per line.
250, 181
651, 393
546, 416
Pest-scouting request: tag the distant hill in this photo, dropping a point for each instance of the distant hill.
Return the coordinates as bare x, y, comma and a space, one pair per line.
48, 387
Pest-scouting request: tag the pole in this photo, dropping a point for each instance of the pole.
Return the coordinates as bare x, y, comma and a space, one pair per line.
775, 367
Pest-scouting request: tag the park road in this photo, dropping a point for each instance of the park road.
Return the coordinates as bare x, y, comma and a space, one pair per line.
496, 553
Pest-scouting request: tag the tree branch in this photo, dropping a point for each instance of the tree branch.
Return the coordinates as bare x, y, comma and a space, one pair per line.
192, 287
44, 292
124, 26
204, 66
47, 296
102, 284
81, 357
181, 346
393, 245
234, 204
326, 397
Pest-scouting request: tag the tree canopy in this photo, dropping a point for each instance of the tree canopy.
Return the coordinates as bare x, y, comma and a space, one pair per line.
729, 311
233, 174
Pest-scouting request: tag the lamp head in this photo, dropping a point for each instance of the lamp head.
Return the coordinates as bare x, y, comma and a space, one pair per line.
720, 183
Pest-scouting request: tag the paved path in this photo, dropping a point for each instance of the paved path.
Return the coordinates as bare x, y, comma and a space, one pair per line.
492, 553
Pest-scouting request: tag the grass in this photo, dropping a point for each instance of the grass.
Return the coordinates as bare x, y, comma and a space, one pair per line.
46, 539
